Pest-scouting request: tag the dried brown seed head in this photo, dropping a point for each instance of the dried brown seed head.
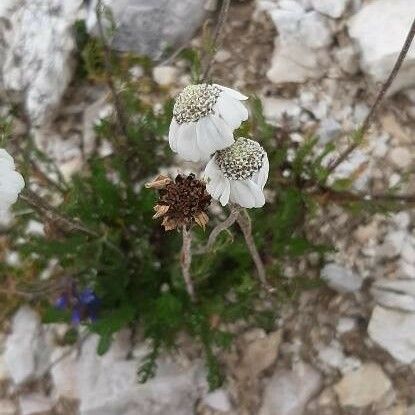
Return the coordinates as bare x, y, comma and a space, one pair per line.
182, 202
160, 182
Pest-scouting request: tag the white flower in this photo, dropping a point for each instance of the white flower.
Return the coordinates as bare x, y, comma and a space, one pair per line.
11, 182
204, 117
238, 174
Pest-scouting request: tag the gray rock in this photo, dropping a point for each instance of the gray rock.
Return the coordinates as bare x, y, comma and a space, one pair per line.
364, 386
315, 31
218, 400
393, 244
148, 28
35, 59
394, 331
65, 374
165, 75
348, 59
4, 373
332, 8
401, 157
284, 67
406, 270
379, 52
288, 392
7, 407
345, 324
333, 356
34, 404
260, 353
356, 166
27, 353
341, 279
300, 49
328, 130
401, 220
108, 385
276, 108
399, 294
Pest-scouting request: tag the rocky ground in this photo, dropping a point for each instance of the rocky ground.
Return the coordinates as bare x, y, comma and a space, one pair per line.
345, 348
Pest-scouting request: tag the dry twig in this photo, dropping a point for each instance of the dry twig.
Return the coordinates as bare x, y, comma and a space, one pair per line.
121, 118
385, 87
217, 38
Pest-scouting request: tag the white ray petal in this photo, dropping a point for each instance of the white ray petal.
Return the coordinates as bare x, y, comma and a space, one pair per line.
230, 110
224, 199
241, 194
207, 136
224, 131
218, 185
187, 143
173, 130
258, 194
262, 176
232, 92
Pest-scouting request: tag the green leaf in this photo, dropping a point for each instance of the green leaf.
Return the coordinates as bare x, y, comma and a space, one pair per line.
104, 344
53, 315
299, 246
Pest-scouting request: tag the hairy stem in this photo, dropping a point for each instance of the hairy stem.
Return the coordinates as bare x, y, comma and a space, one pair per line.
326, 194
226, 224
186, 261
217, 38
49, 212
244, 222
385, 87
64, 223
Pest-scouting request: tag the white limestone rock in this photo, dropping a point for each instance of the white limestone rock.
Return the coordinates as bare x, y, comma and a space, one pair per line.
394, 330
379, 47
165, 75
275, 109
329, 129
288, 392
399, 294
331, 8
363, 387
301, 46
260, 353
8, 407
357, 167
34, 404
149, 27
218, 400
401, 157
341, 279
348, 59
4, 372
27, 353
108, 385
332, 355
65, 374
36, 56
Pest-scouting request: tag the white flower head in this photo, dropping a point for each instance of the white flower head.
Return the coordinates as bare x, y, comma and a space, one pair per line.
204, 117
11, 182
238, 174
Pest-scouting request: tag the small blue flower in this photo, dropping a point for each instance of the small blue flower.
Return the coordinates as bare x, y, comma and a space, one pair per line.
62, 302
83, 305
76, 317
87, 297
